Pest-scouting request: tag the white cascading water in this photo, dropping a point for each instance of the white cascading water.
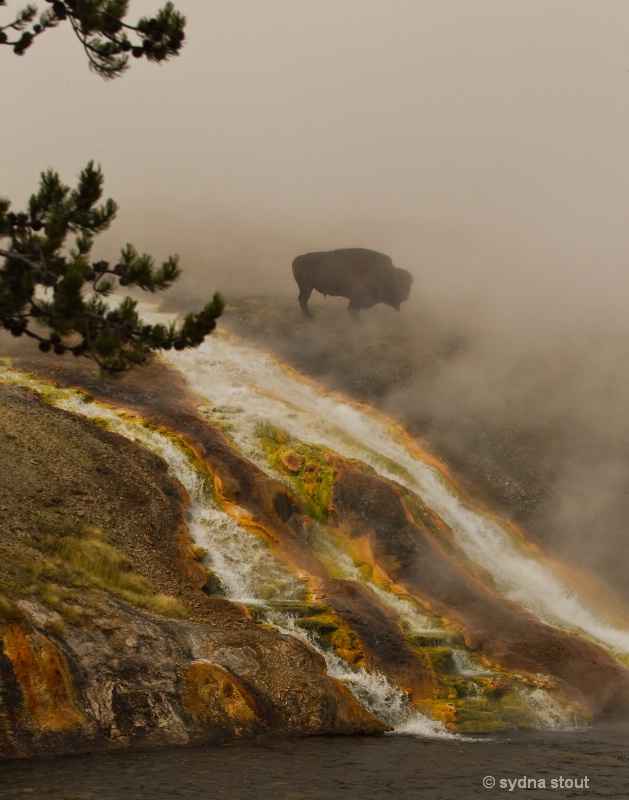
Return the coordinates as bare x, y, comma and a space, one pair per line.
248, 572
372, 689
464, 664
549, 713
339, 564
245, 386
246, 568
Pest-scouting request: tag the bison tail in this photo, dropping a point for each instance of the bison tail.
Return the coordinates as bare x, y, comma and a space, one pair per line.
296, 269
301, 270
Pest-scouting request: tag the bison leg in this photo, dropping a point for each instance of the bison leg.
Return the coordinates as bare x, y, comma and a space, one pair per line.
354, 309
304, 296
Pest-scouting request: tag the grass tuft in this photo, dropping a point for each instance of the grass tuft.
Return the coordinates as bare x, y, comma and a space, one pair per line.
94, 562
9, 611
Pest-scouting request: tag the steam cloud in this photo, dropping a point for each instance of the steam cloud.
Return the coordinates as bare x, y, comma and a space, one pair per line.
521, 391
483, 146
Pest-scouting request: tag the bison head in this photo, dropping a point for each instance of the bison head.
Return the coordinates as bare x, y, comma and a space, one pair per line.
399, 288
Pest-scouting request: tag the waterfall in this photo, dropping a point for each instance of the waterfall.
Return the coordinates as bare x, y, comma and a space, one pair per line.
239, 384
244, 385
248, 572
341, 565
372, 689
464, 664
549, 713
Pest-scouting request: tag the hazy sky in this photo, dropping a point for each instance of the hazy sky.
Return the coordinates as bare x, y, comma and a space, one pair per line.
483, 144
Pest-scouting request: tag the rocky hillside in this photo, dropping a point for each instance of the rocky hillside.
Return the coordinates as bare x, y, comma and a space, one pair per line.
115, 632
522, 426
106, 639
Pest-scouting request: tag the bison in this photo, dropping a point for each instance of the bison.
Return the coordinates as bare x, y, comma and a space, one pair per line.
363, 276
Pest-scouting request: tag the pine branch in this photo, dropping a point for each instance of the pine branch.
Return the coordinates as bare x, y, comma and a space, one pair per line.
49, 249
100, 27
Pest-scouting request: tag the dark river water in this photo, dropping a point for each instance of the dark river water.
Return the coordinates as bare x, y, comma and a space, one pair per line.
596, 761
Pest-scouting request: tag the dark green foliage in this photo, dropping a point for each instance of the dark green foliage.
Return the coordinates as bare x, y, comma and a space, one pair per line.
100, 27
53, 286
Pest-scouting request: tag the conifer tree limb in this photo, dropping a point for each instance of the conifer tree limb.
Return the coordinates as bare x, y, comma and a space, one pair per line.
50, 288
100, 26
52, 291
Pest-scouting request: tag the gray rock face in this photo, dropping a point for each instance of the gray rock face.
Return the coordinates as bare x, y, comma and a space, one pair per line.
136, 680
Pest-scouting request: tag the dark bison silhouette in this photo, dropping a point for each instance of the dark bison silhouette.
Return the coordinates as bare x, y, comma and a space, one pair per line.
363, 276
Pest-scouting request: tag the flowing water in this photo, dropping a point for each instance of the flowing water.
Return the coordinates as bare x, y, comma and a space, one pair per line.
248, 572
351, 768
245, 386
242, 387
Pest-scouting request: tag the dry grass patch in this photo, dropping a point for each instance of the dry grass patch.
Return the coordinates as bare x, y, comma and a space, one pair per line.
9, 612
92, 561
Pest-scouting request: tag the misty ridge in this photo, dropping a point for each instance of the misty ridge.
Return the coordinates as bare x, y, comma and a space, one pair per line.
484, 150
518, 382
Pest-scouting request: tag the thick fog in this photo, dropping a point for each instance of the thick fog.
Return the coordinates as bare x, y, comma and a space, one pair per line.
483, 145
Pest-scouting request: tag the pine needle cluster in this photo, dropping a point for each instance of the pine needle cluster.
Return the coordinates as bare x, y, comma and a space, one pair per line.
51, 289
100, 26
